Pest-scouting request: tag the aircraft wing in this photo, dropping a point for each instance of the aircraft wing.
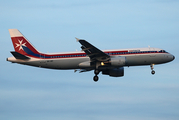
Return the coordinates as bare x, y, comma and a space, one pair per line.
94, 53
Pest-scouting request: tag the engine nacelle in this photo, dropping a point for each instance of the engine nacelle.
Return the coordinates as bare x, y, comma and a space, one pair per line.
116, 72
118, 61
85, 64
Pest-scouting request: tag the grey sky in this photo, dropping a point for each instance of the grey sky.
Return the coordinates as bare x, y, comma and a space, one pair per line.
51, 26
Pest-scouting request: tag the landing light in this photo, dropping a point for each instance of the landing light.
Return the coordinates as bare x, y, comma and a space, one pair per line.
102, 63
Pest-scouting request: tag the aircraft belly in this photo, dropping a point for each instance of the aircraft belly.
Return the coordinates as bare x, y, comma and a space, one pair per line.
63, 63
136, 60
69, 63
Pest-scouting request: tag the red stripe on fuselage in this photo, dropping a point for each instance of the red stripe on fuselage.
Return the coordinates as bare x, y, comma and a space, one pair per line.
78, 55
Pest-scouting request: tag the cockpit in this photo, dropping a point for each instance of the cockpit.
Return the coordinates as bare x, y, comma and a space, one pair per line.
163, 51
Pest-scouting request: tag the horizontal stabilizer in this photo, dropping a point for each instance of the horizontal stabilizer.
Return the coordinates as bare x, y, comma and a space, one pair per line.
19, 56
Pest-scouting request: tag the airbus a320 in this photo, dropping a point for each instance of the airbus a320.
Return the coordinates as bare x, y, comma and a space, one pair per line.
108, 62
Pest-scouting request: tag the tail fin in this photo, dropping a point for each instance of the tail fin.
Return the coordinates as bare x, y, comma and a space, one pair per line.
19, 42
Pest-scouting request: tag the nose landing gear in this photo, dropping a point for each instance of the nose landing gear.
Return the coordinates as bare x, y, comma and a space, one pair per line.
152, 68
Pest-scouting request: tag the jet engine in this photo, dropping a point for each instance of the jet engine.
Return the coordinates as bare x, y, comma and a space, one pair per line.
118, 61
115, 72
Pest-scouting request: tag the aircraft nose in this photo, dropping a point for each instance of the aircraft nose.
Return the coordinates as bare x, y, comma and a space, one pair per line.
170, 57
173, 57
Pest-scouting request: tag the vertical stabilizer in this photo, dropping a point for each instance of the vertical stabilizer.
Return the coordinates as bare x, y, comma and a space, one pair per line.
19, 41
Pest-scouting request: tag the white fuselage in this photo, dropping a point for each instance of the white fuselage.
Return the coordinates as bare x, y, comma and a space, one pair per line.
134, 57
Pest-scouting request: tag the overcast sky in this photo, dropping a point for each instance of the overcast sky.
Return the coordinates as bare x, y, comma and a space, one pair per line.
51, 26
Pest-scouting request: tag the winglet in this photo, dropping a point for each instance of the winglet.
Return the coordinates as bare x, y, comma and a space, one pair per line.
77, 39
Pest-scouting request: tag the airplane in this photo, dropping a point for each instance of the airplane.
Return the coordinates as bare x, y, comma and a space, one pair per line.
109, 62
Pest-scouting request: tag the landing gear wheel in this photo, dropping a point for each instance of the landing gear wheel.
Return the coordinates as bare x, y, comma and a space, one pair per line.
153, 72
95, 78
152, 68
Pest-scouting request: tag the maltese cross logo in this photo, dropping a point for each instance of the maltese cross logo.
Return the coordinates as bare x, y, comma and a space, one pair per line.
20, 45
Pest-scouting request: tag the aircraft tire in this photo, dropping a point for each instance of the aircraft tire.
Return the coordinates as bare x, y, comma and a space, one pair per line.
95, 78
153, 72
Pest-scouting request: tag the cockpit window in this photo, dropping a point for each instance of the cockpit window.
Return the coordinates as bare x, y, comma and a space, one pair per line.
163, 51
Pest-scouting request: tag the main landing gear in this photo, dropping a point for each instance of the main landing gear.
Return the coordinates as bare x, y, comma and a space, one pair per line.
96, 72
152, 68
